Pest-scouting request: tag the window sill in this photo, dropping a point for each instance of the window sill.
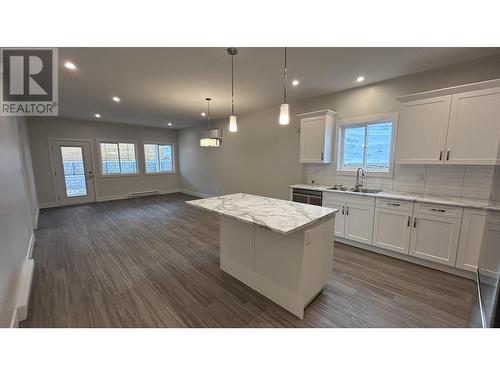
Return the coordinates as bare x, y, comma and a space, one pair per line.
367, 173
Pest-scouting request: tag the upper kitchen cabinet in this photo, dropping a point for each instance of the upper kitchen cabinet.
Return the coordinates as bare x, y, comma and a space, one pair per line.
474, 129
456, 125
316, 136
422, 130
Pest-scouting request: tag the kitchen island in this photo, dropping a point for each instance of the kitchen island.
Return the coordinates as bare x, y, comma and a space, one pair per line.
281, 249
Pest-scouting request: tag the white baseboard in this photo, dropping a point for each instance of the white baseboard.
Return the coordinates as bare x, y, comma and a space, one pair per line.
37, 215
195, 193
23, 294
31, 245
409, 258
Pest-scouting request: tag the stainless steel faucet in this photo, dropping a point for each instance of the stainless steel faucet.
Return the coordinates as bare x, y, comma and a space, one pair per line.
358, 183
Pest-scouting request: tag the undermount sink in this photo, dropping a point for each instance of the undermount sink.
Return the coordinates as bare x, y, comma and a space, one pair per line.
366, 190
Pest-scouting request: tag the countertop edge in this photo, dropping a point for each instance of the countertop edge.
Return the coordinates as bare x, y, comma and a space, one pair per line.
488, 206
299, 228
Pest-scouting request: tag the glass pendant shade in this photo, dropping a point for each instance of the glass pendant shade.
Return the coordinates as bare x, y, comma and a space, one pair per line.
233, 126
284, 114
209, 142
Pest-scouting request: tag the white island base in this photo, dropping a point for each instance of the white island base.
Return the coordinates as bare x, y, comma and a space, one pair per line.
290, 270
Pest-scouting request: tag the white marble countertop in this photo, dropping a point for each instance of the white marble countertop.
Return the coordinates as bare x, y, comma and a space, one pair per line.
413, 197
277, 215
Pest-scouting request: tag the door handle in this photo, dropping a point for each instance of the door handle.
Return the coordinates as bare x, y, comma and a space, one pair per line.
91, 174
414, 222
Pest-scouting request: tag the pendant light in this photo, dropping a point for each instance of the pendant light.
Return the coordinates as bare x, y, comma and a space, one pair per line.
210, 137
233, 126
284, 109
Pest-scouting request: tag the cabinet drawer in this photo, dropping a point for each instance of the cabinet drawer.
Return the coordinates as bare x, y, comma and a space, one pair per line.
439, 210
355, 200
333, 198
392, 204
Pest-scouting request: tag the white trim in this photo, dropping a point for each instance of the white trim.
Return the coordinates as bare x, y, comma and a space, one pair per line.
354, 122
195, 193
320, 113
37, 216
409, 258
174, 166
450, 90
31, 245
23, 294
117, 142
115, 197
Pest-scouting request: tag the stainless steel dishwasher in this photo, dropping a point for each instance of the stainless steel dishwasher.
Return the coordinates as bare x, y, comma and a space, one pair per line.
308, 196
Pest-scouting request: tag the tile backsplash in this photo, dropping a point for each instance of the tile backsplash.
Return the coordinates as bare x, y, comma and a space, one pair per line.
471, 181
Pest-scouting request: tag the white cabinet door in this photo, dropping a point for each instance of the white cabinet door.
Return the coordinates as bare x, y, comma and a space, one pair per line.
391, 230
329, 201
422, 130
489, 251
435, 238
316, 139
359, 223
471, 237
474, 129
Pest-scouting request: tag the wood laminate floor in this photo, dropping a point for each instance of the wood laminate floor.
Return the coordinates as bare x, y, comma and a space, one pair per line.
154, 262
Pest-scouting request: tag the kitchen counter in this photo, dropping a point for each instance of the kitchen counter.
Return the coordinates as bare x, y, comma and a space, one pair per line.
412, 197
281, 249
277, 215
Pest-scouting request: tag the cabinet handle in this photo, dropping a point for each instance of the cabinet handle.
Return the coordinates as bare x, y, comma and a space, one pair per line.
414, 222
440, 155
437, 210
322, 155
409, 221
393, 204
343, 210
448, 154
347, 211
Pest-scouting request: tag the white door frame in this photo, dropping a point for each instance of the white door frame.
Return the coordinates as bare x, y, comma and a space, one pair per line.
51, 142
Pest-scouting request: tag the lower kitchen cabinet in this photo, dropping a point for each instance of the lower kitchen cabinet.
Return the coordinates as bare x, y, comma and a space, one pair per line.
471, 236
359, 222
435, 233
391, 230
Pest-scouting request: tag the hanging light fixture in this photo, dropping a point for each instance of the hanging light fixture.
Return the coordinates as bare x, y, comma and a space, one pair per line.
233, 126
284, 109
210, 137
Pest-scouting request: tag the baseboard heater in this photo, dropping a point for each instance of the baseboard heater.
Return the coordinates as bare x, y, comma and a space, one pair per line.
143, 194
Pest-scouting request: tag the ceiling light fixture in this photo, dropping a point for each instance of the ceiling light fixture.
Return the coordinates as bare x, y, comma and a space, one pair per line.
233, 125
70, 65
97, 115
295, 82
360, 79
284, 108
116, 99
210, 137
169, 124
203, 114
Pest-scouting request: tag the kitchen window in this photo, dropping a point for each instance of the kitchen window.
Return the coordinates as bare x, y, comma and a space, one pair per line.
367, 143
158, 158
118, 158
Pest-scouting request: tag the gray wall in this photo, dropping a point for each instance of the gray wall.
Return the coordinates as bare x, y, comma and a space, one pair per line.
263, 157
40, 129
16, 215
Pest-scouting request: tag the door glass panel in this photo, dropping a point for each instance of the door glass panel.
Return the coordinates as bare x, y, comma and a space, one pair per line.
74, 171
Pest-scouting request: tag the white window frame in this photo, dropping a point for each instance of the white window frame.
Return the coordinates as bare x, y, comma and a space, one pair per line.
102, 174
359, 122
173, 171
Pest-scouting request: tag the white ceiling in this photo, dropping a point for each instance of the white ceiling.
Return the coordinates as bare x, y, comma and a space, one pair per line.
161, 85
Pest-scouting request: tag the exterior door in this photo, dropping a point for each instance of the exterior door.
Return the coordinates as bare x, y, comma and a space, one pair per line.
73, 172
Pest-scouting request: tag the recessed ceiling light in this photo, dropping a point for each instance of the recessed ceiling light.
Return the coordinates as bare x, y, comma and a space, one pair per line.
97, 115
69, 65
169, 124
360, 79
203, 114
295, 82
116, 99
